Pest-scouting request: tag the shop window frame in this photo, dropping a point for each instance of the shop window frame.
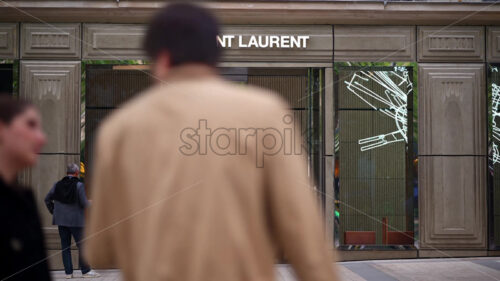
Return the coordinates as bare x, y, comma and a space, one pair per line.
412, 180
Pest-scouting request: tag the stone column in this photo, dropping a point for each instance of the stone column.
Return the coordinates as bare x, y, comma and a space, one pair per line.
452, 141
50, 77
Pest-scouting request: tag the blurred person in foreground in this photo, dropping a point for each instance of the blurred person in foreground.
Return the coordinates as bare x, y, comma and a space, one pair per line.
22, 250
170, 203
67, 201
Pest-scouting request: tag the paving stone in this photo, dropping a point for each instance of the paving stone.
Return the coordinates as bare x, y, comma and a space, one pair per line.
439, 271
464, 269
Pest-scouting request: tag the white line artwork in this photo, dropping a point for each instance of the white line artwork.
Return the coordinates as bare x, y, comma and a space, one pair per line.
495, 112
397, 86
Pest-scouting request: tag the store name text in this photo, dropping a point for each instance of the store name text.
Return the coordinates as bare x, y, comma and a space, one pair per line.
263, 41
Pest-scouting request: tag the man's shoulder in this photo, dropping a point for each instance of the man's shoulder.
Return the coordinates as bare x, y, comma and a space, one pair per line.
220, 95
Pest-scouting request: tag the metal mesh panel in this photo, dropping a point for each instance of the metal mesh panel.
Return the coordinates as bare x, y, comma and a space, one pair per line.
372, 157
291, 85
93, 118
110, 88
107, 88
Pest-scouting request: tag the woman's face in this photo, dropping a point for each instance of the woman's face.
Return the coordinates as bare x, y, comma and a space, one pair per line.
23, 138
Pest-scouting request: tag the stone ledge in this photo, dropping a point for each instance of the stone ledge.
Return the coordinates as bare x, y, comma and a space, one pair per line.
341, 12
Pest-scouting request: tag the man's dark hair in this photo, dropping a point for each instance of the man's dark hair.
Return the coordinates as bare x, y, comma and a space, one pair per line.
188, 33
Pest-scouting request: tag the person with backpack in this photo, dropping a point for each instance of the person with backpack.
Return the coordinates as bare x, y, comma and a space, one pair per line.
66, 201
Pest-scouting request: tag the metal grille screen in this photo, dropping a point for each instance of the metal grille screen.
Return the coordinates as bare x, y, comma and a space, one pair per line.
105, 89
374, 141
290, 85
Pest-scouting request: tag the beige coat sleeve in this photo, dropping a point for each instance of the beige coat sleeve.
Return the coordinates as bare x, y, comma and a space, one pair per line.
295, 217
102, 220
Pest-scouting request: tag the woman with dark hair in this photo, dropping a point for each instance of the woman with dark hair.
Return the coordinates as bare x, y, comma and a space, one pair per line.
22, 252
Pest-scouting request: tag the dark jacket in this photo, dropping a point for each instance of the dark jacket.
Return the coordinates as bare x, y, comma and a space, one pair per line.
68, 214
22, 250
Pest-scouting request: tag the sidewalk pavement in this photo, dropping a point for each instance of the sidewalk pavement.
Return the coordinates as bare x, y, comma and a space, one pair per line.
473, 269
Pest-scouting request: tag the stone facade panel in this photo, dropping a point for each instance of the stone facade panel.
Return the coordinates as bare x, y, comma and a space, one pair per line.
374, 43
55, 88
54, 41
493, 43
450, 43
113, 41
9, 35
452, 202
452, 109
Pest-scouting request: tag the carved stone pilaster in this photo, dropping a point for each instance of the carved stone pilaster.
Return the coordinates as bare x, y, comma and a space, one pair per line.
452, 109
450, 43
61, 41
493, 43
452, 202
9, 40
55, 88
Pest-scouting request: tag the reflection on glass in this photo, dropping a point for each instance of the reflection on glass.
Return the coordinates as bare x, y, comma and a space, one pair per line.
374, 171
494, 155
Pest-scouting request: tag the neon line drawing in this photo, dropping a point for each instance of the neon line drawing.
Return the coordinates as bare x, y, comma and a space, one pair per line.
495, 112
397, 86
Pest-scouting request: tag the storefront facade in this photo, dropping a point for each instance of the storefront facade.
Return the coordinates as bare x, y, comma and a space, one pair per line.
397, 104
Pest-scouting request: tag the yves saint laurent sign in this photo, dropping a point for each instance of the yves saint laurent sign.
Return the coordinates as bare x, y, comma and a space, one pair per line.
263, 41
271, 43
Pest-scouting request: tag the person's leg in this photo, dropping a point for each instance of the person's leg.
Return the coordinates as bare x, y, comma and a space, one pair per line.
65, 234
78, 236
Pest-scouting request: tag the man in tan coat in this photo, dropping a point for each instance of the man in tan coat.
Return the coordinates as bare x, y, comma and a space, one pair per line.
199, 179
